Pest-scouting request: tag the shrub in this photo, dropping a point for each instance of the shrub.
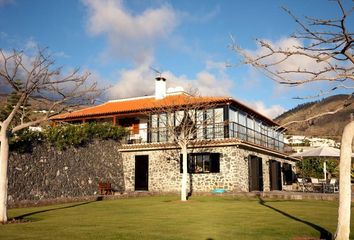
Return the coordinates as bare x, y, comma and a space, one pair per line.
313, 167
63, 136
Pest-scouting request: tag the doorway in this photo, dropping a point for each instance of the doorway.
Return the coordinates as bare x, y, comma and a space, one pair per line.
255, 173
142, 173
275, 175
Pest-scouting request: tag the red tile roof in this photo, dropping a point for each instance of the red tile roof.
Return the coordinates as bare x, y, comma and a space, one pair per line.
139, 105
143, 104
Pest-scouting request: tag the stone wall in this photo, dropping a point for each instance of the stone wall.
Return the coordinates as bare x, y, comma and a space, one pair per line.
164, 170
49, 173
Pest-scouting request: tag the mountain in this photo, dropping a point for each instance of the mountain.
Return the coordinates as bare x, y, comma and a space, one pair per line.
330, 126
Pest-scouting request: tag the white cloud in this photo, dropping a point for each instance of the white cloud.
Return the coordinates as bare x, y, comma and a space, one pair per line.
200, 15
140, 81
129, 36
293, 63
271, 112
134, 82
26, 62
205, 83
61, 54
31, 44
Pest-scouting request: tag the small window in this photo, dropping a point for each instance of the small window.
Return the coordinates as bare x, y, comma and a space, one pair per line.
202, 163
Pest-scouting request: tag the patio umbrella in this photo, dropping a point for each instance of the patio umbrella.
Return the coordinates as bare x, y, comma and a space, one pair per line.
321, 152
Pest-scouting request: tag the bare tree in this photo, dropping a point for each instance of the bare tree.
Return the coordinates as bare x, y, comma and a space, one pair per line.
321, 51
41, 82
186, 121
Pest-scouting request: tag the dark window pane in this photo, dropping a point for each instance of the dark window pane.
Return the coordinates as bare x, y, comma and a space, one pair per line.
215, 162
202, 162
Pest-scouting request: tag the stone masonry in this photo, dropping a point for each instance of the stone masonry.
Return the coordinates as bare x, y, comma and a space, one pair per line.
164, 170
47, 173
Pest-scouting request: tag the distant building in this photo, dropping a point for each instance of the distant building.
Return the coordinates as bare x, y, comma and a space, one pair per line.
300, 143
244, 151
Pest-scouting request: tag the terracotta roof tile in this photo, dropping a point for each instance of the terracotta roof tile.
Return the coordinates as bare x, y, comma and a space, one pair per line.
138, 105
142, 104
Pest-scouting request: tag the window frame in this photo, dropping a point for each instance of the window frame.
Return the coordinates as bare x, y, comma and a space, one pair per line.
212, 160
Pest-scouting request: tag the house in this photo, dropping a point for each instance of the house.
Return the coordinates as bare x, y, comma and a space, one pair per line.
300, 143
236, 149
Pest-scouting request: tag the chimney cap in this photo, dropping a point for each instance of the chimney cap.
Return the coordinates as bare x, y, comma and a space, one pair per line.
160, 79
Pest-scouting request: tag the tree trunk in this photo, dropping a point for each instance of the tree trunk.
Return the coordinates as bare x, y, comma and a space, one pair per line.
184, 174
4, 156
343, 227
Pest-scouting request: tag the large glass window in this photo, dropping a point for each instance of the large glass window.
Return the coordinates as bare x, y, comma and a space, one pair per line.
200, 124
162, 127
264, 135
242, 118
178, 117
250, 129
219, 123
159, 127
209, 123
242, 126
257, 132
233, 119
233, 116
154, 129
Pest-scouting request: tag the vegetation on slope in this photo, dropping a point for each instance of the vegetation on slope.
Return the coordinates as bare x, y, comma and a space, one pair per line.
326, 126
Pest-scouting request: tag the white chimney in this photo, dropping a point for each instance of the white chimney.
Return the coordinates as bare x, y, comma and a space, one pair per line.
160, 88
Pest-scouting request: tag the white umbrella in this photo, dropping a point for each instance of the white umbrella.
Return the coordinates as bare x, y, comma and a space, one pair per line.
323, 151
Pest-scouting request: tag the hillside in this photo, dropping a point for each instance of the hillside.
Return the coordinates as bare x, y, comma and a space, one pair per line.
330, 126
35, 105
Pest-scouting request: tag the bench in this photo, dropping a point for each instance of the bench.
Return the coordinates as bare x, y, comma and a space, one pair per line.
105, 188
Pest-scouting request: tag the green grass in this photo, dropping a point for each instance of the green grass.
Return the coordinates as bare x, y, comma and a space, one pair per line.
204, 218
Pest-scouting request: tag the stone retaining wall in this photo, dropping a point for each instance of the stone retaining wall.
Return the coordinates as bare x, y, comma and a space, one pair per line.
48, 173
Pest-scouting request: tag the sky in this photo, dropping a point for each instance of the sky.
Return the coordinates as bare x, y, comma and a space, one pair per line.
121, 42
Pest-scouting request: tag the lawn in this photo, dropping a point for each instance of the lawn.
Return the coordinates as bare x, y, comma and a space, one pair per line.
205, 218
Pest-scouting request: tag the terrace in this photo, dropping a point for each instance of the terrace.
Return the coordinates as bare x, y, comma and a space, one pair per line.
267, 138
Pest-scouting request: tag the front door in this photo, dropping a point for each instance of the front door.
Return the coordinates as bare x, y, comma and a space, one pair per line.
142, 173
255, 173
275, 175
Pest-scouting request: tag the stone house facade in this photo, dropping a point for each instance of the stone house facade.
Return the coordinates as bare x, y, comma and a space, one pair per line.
234, 175
236, 148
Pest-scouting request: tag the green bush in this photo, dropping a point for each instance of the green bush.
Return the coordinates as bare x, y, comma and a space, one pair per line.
313, 167
63, 136
23, 140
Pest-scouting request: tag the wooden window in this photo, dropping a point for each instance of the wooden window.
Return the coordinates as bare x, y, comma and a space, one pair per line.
135, 127
202, 163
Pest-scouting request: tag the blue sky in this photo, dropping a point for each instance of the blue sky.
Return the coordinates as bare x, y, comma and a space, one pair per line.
118, 42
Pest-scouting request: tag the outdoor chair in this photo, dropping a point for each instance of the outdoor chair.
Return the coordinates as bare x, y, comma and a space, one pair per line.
302, 184
333, 185
316, 185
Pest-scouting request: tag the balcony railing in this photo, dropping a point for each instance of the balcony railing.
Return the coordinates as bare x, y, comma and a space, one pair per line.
250, 135
210, 131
